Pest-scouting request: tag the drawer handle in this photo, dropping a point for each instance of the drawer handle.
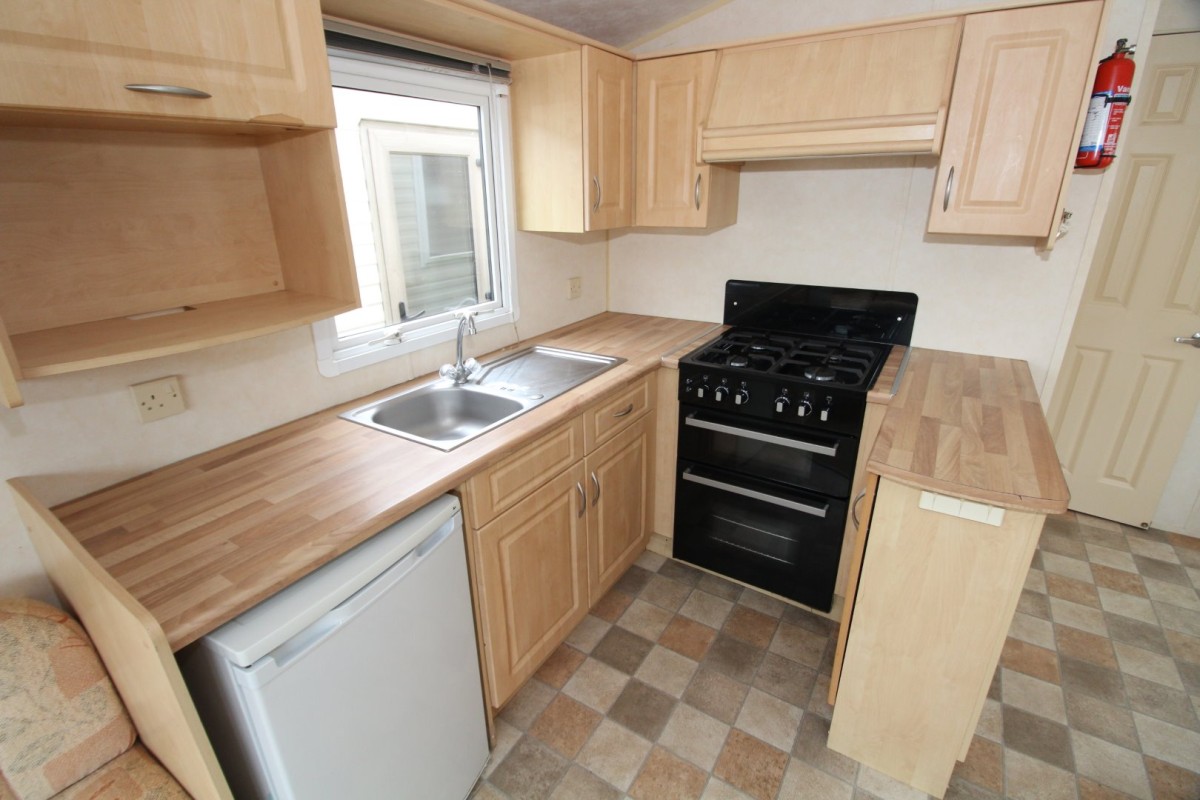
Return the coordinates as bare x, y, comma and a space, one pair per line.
625, 412
582, 498
162, 88
596, 486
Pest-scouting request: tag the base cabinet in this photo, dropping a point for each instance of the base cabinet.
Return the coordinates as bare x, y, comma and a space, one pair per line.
541, 561
935, 598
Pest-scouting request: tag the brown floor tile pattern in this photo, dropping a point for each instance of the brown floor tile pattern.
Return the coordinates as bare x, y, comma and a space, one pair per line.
681, 684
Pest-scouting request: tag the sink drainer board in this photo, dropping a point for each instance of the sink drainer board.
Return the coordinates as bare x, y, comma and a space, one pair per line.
444, 415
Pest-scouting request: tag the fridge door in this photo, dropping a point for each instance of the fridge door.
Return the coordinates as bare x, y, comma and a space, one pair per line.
381, 697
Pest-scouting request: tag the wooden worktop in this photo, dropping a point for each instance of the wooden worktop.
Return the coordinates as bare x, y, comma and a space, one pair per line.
972, 427
202, 540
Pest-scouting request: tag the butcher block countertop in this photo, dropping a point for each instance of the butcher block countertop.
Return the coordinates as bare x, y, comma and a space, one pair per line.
200, 541
972, 427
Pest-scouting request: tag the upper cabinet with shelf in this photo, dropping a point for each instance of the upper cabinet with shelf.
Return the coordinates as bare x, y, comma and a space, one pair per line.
1011, 135
673, 187
139, 224
573, 141
226, 60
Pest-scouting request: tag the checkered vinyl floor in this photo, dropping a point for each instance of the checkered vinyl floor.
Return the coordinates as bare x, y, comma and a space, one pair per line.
683, 685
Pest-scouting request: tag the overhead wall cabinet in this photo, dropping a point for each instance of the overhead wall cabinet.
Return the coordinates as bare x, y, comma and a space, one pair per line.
553, 527
134, 229
1014, 119
674, 187
868, 90
573, 141
232, 60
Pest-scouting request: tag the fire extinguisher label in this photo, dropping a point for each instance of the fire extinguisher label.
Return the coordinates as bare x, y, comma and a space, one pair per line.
1096, 123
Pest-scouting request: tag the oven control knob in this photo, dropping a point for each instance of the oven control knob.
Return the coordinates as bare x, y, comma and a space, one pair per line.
702, 391
804, 408
719, 394
741, 397
781, 403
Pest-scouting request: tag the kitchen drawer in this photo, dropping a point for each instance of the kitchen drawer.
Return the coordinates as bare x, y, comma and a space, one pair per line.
499, 488
616, 413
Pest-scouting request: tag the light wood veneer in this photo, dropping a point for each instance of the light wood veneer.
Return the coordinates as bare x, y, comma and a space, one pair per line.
971, 426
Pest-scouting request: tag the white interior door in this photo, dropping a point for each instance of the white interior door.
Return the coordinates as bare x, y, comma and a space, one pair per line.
1128, 391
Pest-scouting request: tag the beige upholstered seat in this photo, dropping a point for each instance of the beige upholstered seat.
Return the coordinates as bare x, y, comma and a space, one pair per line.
64, 732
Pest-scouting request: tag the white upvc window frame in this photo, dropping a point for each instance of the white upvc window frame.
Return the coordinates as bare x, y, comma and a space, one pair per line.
372, 73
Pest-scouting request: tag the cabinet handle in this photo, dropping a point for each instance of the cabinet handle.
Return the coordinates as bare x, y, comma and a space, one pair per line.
696, 191
949, 188
624, 412
596, 185
596, 486
582, 498
854, 508
162, 88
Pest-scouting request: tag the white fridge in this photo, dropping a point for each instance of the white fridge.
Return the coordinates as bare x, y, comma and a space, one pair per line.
359, 681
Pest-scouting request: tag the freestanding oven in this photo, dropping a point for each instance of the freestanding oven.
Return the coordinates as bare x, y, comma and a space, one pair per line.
770, 417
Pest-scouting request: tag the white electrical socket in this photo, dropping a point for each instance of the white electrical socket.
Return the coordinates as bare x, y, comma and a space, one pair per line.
158, 398
574, 288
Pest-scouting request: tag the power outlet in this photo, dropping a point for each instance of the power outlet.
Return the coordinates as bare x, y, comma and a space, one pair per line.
159, 398
574, 288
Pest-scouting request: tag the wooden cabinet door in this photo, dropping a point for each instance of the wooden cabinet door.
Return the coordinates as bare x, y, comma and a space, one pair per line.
608, 139
258, 59
1011, 132
532, 580
620, 488
672, 186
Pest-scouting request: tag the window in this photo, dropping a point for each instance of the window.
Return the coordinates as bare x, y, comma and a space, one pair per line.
424, 160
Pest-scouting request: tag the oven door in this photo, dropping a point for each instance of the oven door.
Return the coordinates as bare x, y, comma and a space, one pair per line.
782, 540
816, 462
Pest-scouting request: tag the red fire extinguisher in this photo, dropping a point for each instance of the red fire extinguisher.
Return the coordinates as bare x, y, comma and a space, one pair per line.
1110, 97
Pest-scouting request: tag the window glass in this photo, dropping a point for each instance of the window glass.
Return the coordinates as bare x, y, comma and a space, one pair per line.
422, 159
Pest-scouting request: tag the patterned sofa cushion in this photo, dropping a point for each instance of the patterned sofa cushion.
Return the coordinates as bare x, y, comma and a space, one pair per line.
133, 775
60, 717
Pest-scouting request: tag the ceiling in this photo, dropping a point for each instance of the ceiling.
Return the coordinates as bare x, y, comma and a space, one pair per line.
619, 23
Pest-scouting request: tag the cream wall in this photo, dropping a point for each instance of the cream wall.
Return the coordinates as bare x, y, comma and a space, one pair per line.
861, 222
78, 433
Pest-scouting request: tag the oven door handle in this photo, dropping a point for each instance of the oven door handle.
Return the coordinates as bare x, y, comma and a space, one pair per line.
782, 441
804, 508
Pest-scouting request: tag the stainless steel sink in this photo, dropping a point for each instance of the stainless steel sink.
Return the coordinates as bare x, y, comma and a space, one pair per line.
444, 415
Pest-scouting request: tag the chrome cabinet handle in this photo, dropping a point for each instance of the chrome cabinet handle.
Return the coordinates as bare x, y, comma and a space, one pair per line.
766, 498
795, 444
582, 498
596, 486
625, 412
854, 507
162, 88
949, 188
598, 193
1193, 340
696, 192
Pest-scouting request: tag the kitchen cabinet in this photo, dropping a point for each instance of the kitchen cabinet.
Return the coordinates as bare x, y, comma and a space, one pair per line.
572, 117
150, 234
673, 187
1014, 120
574, 510
960, 479
869, 89
260, 61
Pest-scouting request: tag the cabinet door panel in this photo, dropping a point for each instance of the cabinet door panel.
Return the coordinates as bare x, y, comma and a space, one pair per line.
502, 486
608, 139
1010, 135
257, 58
621, 488
533, 581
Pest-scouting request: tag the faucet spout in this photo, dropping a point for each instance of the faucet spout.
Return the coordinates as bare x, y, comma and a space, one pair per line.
461, 371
